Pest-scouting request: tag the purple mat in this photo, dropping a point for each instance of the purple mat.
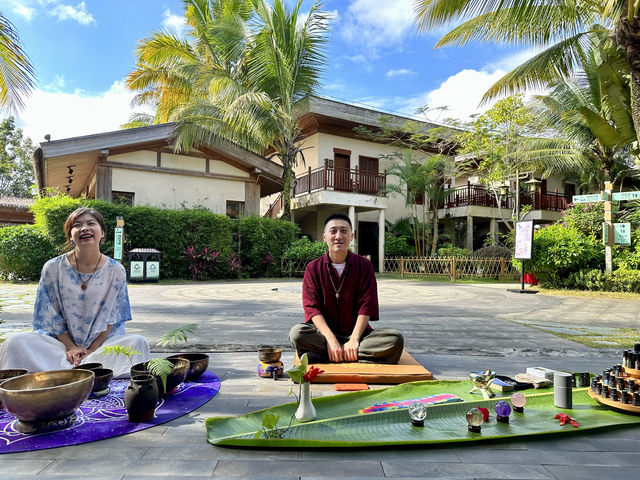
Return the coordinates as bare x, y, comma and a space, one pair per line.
106, 417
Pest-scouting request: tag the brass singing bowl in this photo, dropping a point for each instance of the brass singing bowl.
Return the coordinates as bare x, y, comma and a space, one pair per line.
46, 395
198, 363
482, 379
103, 377
269, 355
174, 379
9, 374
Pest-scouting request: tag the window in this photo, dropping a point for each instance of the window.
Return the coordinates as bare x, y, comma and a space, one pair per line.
123, 198
235, 209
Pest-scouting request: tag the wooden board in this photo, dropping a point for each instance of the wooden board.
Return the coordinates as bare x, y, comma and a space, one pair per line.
406, 370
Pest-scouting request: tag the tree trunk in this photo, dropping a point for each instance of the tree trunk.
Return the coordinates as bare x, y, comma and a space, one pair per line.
434, 245
286, 194
627, 37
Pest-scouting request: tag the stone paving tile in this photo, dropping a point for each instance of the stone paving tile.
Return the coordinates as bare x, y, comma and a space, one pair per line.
201, 450
166, 467
522, 457
464, 470
74, 477
9, 466
252, 468
409, 453
583, 472
97, 449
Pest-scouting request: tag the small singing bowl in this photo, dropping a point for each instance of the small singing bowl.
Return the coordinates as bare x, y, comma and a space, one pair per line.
174, 379
89, 366
103, 377
11, 373
269, 354
47, 395
198, 363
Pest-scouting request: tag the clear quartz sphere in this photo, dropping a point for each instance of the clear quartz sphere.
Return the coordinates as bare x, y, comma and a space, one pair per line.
418, 411
518, 400
475, 417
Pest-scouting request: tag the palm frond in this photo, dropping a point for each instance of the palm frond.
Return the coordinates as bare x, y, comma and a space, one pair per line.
17, 76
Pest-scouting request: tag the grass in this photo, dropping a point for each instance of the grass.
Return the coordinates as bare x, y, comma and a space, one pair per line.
445, 278
588, 294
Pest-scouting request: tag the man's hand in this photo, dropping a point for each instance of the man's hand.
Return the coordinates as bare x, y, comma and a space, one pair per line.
350, 350
334, 349
75, 355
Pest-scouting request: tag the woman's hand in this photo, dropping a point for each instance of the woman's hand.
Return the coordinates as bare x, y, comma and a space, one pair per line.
75, 354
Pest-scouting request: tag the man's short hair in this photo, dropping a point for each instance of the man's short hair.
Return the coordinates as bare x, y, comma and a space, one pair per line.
338, 216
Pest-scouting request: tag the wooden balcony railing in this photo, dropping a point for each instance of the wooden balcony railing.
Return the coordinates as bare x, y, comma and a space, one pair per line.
475, 195
341, 179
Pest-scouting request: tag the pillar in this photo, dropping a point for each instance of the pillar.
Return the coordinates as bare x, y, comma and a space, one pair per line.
381, 240
469, 237
493, 229
352, 217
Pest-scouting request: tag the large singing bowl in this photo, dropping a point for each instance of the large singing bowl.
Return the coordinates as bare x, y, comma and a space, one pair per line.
198, 363
46, 395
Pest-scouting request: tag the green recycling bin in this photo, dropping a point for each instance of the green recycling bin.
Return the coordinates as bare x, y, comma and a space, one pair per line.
144, 265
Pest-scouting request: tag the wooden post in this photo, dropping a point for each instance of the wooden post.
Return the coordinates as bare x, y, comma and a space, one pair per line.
326, 167
309, 180
401, 267
453, 269
502, 269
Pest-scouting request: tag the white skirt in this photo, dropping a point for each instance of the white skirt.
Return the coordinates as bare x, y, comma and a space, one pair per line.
36, 352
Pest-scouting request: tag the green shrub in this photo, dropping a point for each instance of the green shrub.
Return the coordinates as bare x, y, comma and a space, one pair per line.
449, 250
587, 218
626, 280
594, 279
169, 231
628, 256
305, 250
24, 249
396, 246
262, 242
558, 251
492, 251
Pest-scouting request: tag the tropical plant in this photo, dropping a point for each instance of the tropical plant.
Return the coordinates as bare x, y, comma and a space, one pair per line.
565, 30
238, 79
16, 164
18, 77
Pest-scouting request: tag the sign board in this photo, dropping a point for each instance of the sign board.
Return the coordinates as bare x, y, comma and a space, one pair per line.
524, 240
153, 270
622, 233
593, 197
136, 270
117, 243
626, 196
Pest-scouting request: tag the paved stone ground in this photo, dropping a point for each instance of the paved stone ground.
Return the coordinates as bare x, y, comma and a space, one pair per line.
451, 329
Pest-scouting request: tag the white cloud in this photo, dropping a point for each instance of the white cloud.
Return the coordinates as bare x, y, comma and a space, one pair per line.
65, 115
400, 72
23, 11
373, 23
78, 13
174, 22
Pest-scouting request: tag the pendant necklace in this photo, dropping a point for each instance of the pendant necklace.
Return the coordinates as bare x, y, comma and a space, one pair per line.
82, 280
337, 290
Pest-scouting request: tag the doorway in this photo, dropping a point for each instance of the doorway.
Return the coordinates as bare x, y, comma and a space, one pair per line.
368, 241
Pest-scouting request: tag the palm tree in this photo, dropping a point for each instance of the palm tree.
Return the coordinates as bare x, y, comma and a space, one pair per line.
588, 118
17, 77
239, 79
566, 30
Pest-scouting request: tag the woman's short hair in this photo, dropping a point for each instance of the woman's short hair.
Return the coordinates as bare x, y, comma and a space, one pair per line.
77, 213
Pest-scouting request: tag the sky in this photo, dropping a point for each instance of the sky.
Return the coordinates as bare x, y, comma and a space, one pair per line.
82, 52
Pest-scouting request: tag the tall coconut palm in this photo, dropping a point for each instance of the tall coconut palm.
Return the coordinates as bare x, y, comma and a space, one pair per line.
566, 30
17, 77
240, 77
588, 118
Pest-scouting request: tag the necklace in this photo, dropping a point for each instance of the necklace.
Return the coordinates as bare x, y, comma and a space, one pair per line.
82, 280
337, 290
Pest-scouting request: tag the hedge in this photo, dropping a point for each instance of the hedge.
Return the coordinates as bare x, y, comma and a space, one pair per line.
24, 249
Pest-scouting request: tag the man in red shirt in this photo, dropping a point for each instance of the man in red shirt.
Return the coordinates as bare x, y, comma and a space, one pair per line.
340, 297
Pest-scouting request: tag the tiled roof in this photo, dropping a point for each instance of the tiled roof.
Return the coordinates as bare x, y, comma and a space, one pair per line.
16, 202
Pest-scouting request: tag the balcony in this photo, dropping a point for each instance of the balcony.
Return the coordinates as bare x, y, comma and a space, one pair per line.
475, 195
340, 179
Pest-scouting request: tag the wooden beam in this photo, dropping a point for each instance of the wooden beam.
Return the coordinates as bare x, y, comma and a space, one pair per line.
103, 182
175, 171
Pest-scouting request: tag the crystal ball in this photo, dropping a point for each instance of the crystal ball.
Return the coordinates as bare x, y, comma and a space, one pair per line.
518, 400
418, 411
503, 409
475, 417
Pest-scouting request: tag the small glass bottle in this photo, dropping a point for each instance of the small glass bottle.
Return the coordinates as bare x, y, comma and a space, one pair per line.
623, 397
636, 400
605, 391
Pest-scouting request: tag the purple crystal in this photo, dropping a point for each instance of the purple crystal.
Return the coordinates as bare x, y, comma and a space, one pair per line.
503, 409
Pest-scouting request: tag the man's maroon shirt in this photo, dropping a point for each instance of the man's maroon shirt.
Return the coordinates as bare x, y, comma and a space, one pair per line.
358, 295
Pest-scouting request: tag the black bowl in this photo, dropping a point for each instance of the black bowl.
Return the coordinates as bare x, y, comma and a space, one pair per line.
103, 377
175, 378
89, 366
198, 363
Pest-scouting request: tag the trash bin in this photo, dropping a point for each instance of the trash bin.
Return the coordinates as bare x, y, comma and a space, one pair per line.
144, 265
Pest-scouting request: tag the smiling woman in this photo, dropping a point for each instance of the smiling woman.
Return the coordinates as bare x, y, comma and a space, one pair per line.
82, 304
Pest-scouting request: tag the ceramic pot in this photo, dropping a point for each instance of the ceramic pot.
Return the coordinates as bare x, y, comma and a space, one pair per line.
141, 397
306, 411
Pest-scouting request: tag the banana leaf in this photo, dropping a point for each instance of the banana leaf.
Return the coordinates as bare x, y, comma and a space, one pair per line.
338, 423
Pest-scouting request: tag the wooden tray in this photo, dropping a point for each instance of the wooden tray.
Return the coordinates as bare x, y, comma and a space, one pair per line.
628, 408
632, 372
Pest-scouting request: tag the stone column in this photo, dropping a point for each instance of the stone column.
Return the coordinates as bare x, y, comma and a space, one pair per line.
493, 229
381, 240
469, 237
352, 217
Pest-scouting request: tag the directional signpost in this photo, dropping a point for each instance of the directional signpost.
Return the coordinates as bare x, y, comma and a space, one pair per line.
592, 198
626, 196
